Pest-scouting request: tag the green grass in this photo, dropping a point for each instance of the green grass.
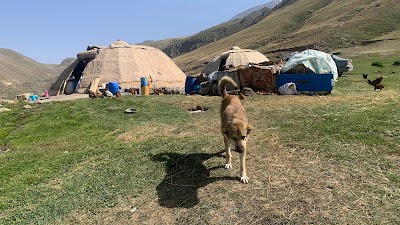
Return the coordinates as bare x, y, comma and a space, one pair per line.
324, 160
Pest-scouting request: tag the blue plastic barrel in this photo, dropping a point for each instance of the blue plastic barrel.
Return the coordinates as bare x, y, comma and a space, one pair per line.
69, 88
113, 87
143, 82
189, 84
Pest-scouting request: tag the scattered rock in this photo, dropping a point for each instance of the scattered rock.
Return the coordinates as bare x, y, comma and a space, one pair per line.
4, 110
248, 91
8, 102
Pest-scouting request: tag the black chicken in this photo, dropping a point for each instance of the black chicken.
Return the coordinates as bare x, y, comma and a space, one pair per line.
375, 82
365, 76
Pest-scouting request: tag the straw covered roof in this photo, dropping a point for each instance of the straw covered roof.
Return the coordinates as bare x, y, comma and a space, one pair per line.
127, 63
235, 57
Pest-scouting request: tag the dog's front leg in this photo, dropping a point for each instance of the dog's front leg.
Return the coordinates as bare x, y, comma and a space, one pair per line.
228, 155
243, 176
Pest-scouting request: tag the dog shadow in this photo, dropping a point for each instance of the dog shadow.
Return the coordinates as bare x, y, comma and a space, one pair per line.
185, 175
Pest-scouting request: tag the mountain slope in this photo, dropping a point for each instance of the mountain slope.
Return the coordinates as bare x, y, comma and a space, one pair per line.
19, 74
58, 68
305, 23
176, 47
270, 5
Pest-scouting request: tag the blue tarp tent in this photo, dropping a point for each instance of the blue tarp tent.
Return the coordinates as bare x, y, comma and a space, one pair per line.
317, 61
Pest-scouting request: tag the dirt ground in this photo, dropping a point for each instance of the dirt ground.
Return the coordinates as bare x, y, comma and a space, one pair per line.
64, 97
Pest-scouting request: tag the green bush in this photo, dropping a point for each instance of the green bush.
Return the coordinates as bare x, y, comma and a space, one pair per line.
377, 63
396, 63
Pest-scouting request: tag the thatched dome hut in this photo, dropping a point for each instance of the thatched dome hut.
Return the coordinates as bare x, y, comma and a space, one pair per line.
234, 57
122, 63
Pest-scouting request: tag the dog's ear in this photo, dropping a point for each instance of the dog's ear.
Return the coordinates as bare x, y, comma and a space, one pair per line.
249, 128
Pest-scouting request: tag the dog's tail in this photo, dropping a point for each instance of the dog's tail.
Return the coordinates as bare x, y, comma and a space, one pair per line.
222, 85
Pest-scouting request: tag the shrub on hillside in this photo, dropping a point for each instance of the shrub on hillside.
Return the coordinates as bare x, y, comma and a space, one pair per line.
396, 63
377, 63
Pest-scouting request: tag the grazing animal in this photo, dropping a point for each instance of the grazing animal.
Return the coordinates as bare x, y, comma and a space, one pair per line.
378, 80
365, 75
234, 126
379, 86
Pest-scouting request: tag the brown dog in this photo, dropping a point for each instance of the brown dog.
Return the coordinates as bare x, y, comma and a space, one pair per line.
234, 126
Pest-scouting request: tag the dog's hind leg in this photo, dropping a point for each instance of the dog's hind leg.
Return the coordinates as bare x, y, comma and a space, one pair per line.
228, 162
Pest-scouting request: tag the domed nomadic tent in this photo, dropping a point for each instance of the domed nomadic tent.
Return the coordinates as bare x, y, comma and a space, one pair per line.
314, 61
123, 63
233, 58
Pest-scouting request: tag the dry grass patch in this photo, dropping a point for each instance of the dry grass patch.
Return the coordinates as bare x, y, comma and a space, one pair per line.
142, 133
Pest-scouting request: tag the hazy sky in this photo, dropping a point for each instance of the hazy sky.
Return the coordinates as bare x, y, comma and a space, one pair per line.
49, 31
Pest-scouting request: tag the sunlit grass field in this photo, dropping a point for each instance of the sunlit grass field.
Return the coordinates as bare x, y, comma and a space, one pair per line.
331, 159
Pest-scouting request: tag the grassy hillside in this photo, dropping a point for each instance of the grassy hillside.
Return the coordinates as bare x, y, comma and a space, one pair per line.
327, 25
312, 159
176, 47
20, 74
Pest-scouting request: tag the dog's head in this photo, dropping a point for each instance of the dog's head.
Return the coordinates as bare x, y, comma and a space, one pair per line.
238, 133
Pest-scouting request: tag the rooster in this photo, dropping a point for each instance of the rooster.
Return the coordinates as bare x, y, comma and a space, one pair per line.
365, 75
375, 82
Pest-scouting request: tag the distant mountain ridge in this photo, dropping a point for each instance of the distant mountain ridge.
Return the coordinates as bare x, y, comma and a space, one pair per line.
180, 46
20, 74
270, 5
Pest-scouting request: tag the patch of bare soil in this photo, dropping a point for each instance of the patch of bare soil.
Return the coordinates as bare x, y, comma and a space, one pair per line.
64, 98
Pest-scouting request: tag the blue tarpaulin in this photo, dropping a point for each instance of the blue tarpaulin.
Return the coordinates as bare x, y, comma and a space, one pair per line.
317, 61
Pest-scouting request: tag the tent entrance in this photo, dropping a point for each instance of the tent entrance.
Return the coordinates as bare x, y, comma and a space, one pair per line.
222, 64
76, 75
73, 81
69, 80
